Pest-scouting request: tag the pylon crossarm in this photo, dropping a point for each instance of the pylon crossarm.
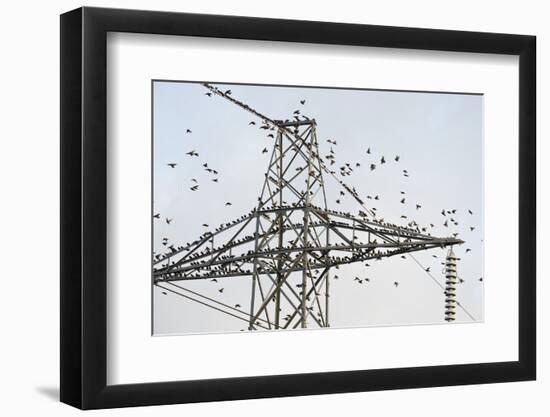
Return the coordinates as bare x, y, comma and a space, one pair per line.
370, 225
361, 253
206, 237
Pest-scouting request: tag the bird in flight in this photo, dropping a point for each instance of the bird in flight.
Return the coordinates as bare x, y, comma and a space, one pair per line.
427, 269
237, 306
220, 290
227, 92
382, 160
368, 151
209, 94
228, 203
192, 153
397, 158
302, 102
396, 284
470, 211
188, 131
215, 179
172, 164
156, 216
418, 206
402, 201
168, 221
264, 150
372, 167
194, 188
252, 122
205, 225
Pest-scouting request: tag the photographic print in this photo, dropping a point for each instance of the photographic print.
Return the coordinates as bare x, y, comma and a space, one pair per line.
290, 207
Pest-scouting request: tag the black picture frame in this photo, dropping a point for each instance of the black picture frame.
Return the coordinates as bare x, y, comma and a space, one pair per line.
84, 207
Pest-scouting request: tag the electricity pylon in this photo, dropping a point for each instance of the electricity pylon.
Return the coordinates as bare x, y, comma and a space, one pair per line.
289, 244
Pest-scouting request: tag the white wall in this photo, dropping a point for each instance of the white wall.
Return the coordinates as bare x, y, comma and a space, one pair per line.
29, 175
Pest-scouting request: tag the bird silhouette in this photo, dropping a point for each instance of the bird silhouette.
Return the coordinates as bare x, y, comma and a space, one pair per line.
396, 284
264, 150
156, 216
368, 151
252, 122
192, 153
209, 94
172, 165
402, 201
168, 221
302, 102
228, 203
188, 131
372, 167
194, 188
382, 160
220, 290
397, 158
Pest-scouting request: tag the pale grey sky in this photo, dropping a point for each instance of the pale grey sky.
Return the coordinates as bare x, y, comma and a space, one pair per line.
437, 136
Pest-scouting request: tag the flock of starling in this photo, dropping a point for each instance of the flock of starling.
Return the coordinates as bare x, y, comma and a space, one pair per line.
449, 217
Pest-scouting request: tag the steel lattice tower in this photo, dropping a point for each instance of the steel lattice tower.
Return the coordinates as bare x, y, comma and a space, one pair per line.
291, 241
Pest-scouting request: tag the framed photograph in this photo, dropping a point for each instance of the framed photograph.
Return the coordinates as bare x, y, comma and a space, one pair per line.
256, 208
